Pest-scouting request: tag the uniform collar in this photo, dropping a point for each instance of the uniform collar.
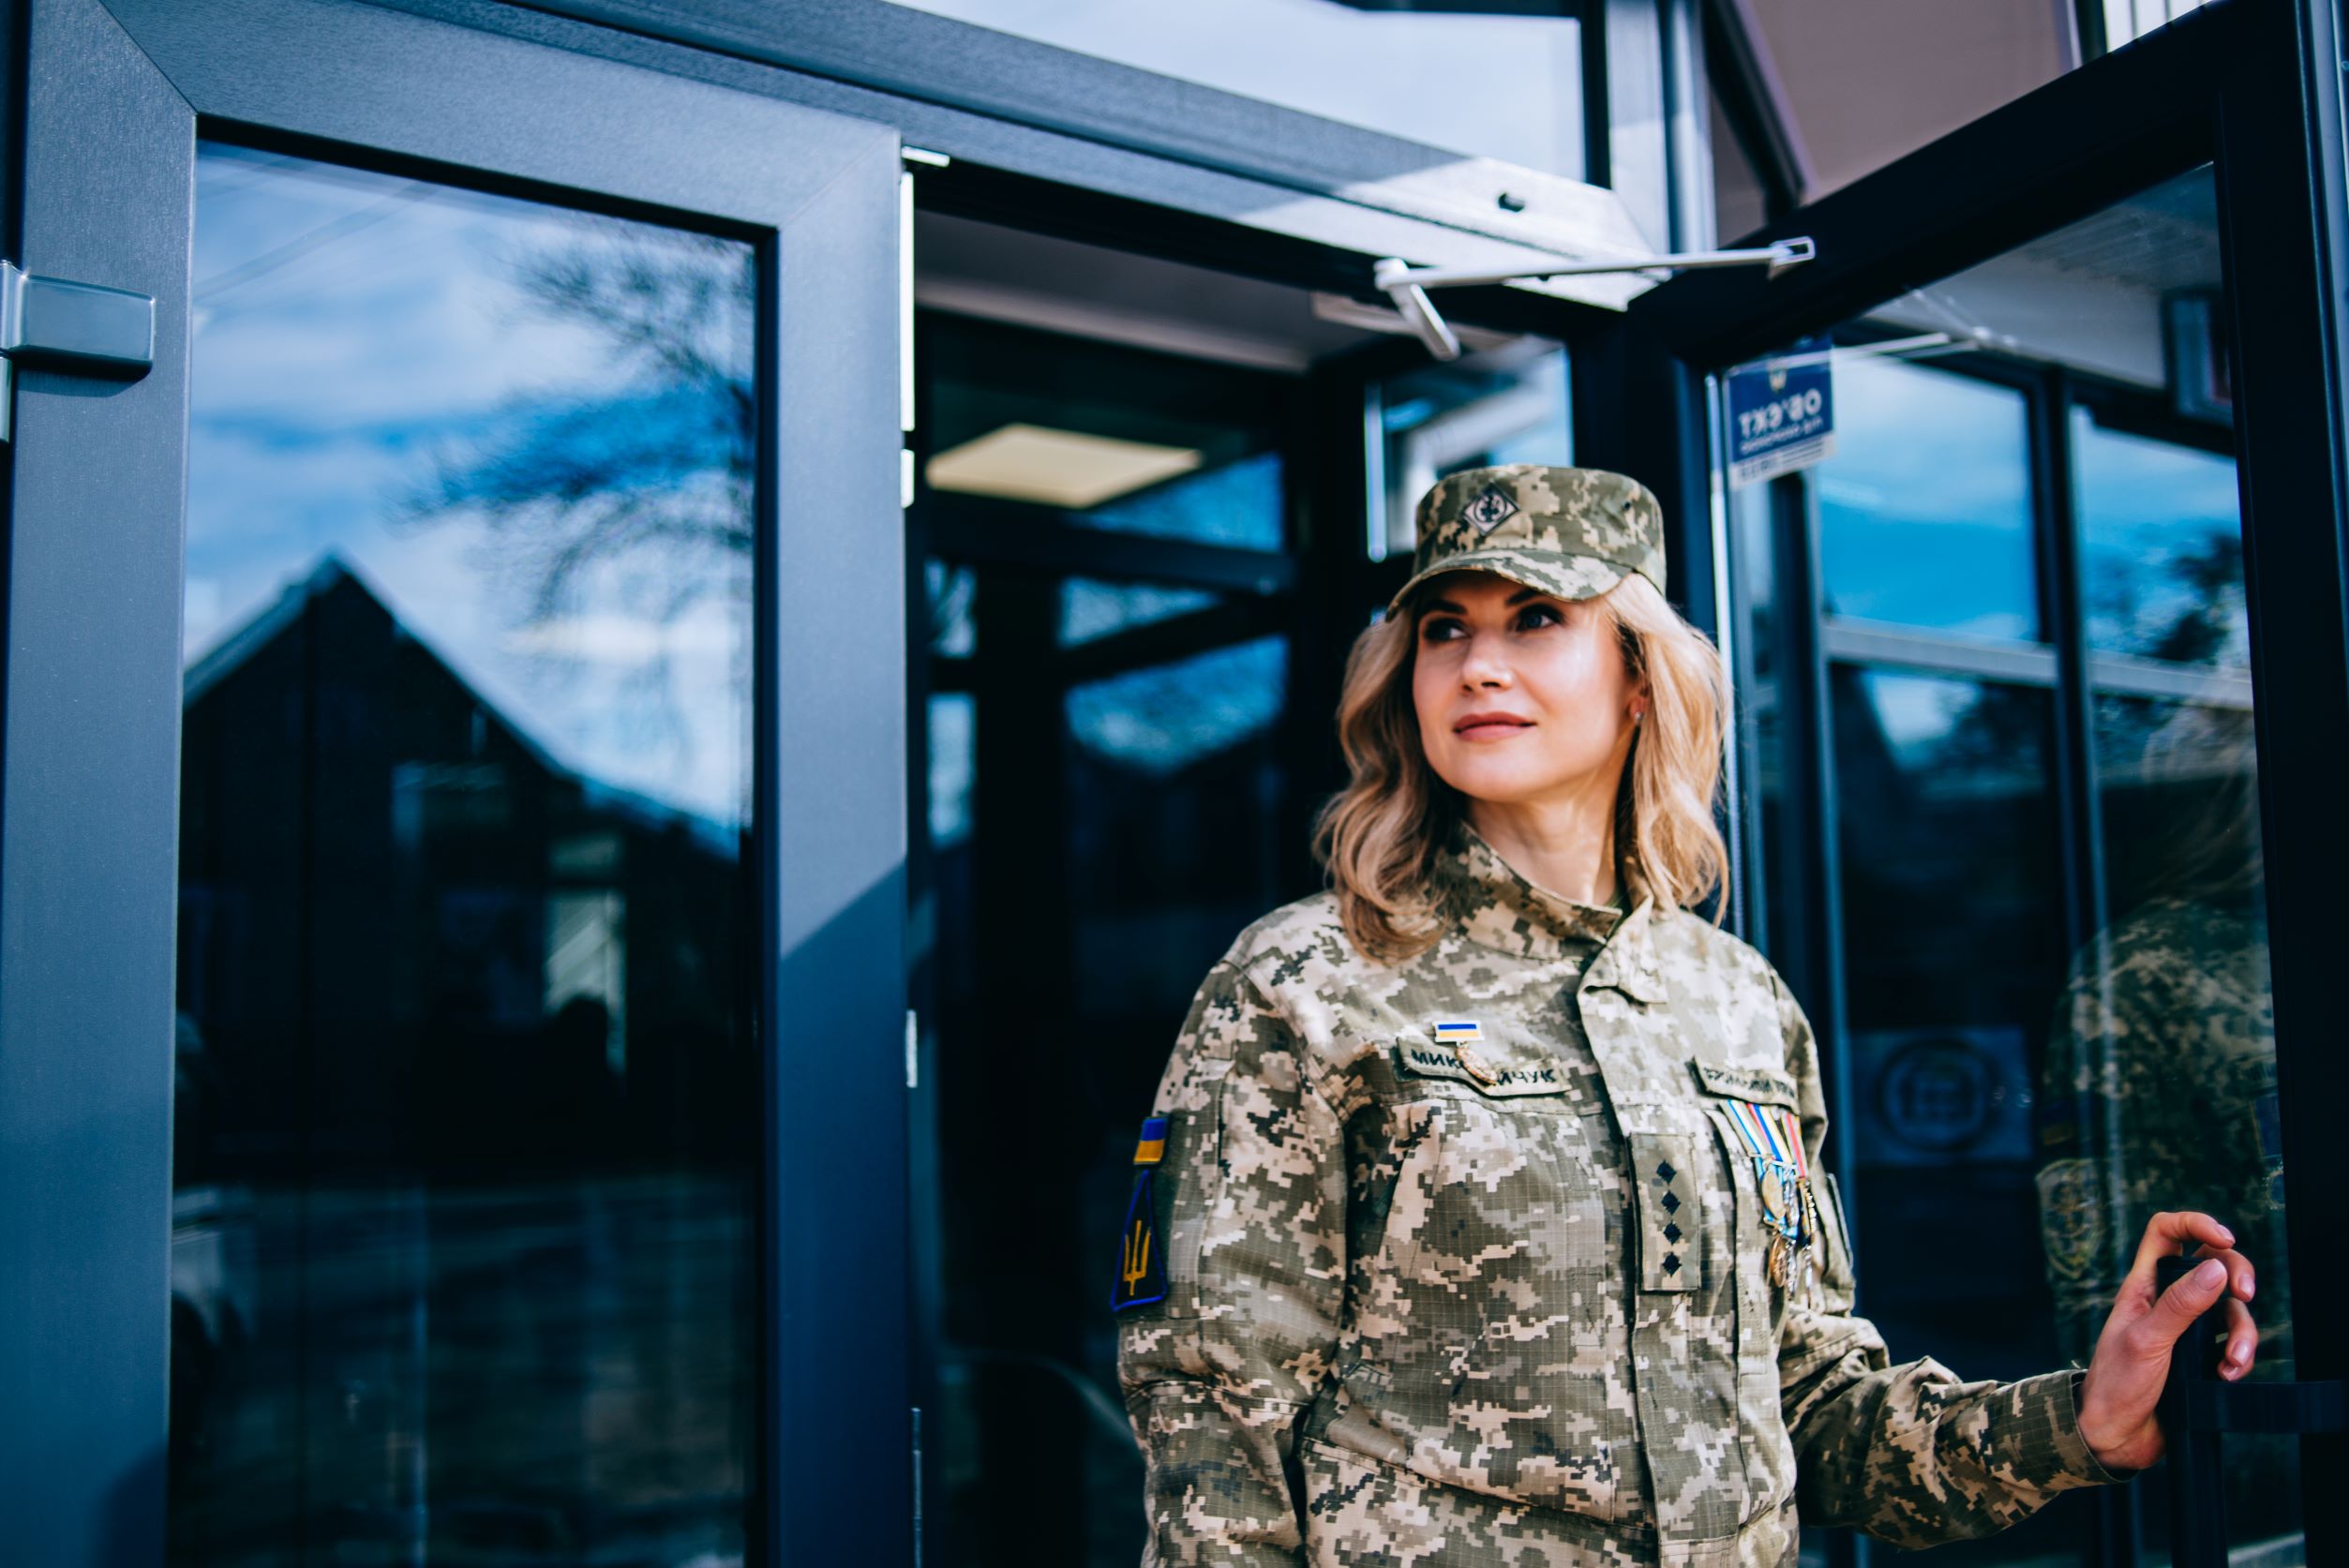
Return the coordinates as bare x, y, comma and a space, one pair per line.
1496, 906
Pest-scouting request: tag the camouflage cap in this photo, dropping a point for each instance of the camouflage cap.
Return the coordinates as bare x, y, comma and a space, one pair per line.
1574, 533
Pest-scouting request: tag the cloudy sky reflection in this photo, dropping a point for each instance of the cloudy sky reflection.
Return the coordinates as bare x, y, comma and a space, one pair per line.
523, 427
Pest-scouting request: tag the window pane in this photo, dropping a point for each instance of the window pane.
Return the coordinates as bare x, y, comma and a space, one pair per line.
1953, 941
1113, 808
462, 1245
2160, 1089
2161, 548
1925, 509
1365, 64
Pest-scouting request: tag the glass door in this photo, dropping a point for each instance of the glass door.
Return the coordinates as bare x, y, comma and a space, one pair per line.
2024, 668
476, 915
2044, 887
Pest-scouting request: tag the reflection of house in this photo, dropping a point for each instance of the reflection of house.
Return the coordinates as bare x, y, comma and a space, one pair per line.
404, 927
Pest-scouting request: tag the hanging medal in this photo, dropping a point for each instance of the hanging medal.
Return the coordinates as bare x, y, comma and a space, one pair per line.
1781, 1185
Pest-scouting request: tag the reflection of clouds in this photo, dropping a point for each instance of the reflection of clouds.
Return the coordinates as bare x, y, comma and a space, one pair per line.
1917, 714
1924, 511
607, 638
1090, 609
1499, 86
1166, 717
330, 380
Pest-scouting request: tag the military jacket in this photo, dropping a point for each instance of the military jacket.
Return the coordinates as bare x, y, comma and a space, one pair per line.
1432, 1307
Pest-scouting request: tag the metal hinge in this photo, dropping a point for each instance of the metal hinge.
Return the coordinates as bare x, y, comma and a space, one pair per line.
56, 324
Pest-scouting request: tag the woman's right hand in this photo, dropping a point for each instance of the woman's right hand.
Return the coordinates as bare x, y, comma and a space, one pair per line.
2132, 1362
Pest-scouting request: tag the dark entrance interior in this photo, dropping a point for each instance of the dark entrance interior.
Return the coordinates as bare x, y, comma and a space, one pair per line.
1146, 545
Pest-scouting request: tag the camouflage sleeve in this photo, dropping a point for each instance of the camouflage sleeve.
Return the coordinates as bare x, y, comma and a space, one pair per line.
1908, 1453
1250, 1201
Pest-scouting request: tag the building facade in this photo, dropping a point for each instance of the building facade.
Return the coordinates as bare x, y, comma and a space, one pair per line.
624, 739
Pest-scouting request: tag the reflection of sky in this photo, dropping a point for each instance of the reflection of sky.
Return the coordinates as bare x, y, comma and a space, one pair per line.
1918, 713
1501, 86
1237, 503
353, 331
954, 766
1924, 509
1162, 719
1090, 609
2144, 507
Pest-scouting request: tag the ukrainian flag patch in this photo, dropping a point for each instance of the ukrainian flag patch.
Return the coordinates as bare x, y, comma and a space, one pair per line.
1152, 1147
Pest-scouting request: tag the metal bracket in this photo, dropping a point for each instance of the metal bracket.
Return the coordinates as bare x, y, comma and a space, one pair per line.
53, 322
1407, 285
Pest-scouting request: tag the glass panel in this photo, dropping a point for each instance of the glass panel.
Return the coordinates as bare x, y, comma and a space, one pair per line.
1953, 941
1739, 203
2160, 547
2051, 1035
1027, 425
1362, 62
1090, 610
1507, 405
462, 1230
1924, 512
1116, 812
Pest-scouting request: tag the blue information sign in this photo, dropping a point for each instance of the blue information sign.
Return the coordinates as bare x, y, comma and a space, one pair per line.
1782, 413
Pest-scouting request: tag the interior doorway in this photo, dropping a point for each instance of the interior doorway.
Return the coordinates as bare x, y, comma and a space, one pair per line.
1152, 511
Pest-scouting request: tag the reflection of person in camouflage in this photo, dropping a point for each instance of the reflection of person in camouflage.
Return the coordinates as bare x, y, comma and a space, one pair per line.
2159, 1087
1477, 1222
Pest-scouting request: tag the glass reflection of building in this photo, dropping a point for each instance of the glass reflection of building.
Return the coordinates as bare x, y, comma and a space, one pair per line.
462, 1228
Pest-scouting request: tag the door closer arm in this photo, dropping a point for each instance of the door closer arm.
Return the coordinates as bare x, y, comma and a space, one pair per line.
1407, 285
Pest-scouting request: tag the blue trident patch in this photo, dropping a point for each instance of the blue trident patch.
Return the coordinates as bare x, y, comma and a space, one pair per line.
1142, 1261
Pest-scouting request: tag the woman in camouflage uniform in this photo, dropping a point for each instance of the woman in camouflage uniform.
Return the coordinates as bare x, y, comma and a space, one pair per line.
1478, 1221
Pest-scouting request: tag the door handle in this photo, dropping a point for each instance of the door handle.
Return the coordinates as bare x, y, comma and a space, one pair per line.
2197, 1411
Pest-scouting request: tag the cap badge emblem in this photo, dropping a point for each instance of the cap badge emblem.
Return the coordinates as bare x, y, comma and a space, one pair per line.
1490, 510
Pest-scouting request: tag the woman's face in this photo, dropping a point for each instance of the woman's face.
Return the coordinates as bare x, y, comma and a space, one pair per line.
1522, 696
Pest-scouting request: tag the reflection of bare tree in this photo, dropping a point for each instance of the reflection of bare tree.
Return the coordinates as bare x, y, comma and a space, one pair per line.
628, 490
2208, 582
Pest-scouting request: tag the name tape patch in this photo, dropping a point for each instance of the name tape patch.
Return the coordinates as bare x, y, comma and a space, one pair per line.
1760, 1085
1421, 1058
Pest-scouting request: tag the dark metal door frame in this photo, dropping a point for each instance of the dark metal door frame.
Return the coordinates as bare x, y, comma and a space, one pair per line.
117, 95
2255, 87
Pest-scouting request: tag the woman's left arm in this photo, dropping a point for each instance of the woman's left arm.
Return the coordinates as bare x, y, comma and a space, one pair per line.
1914, 1455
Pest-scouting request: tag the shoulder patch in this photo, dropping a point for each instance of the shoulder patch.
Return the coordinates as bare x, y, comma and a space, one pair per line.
2070, 1216
1142, 1261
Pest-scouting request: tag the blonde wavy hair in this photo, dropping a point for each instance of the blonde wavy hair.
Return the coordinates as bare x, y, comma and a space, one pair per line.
1377, 838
